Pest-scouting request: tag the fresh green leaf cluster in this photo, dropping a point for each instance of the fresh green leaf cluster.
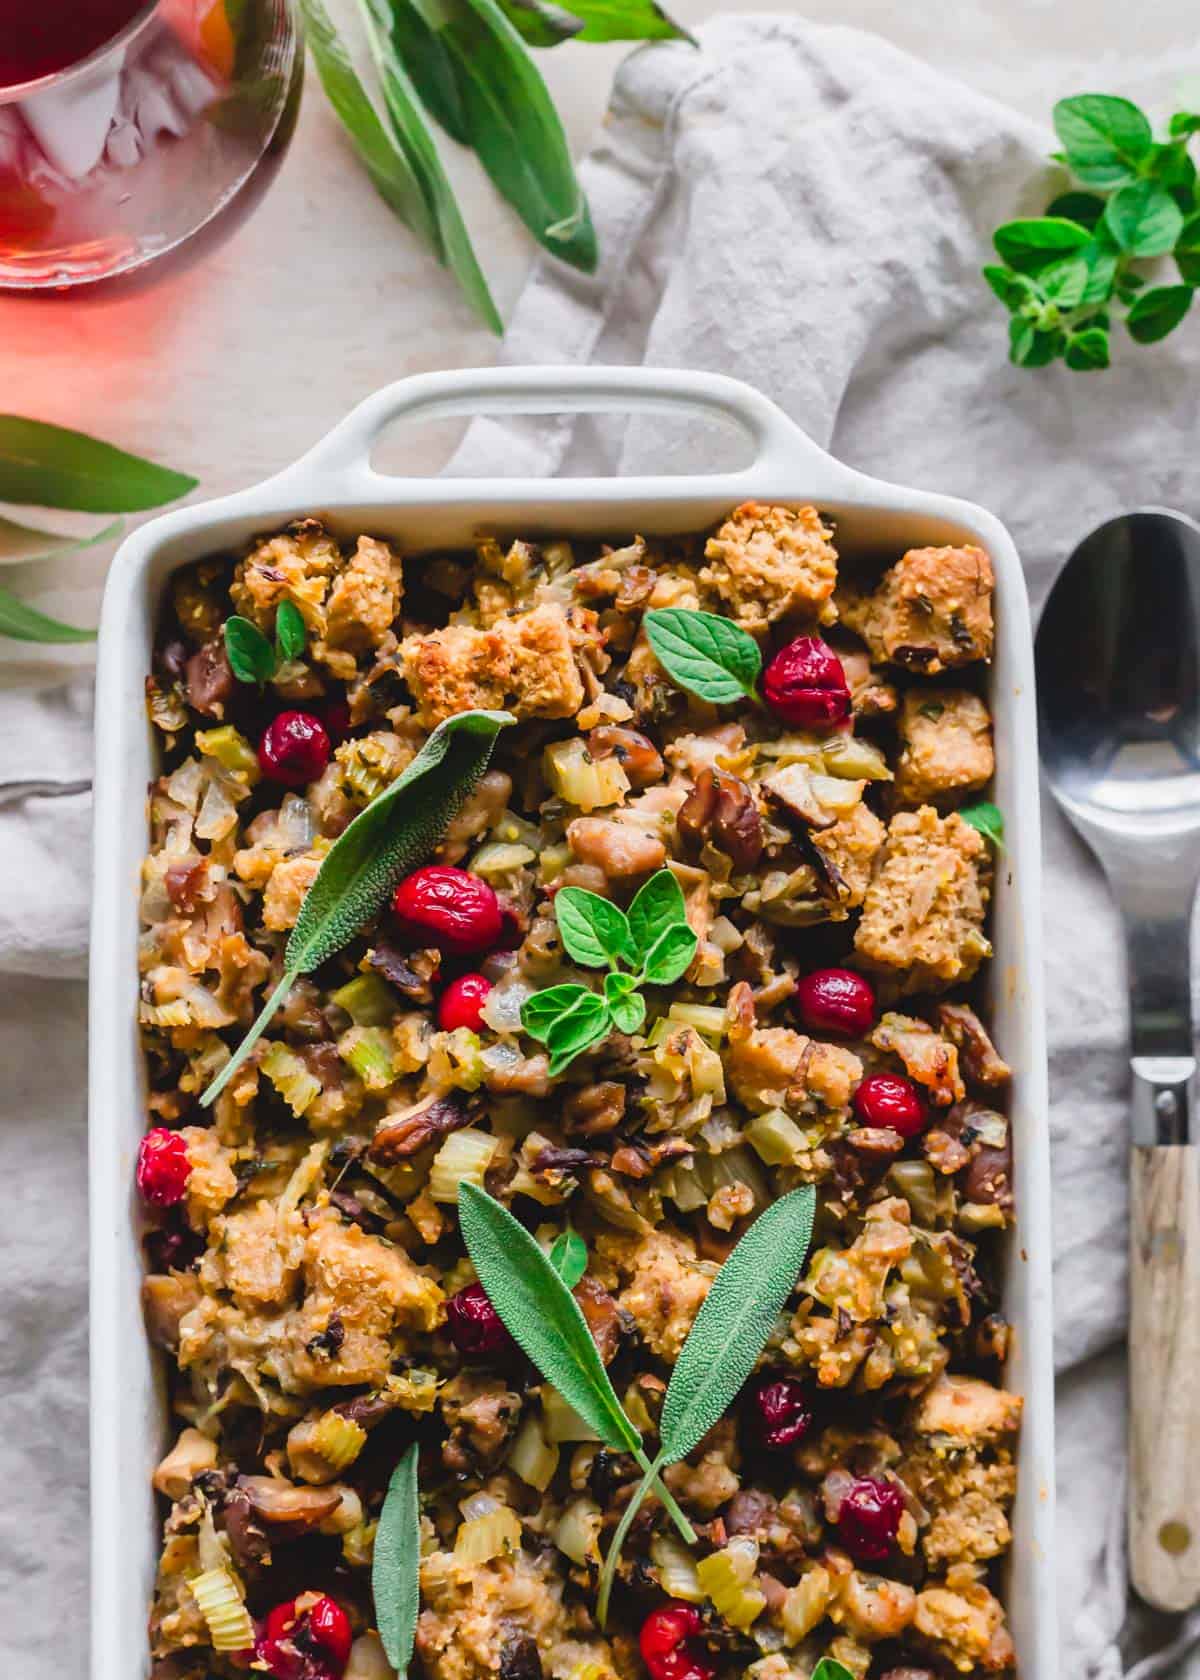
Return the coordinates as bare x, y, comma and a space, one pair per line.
569, 1257
988, 819
396, 1564
1063, 275
52, 467
388, 840
710, 657
252, 658
724, 1344
652, 945
465, 64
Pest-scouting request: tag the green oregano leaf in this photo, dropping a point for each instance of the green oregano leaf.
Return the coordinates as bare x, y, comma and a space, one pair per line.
707, 655
395, 1570
1033, 242
829, 1668
725, 1342
626, 1004
657, 906
388, 840
1187, 251
251, 656
988, 819
573, 1033
1011, 288
594, 931
1081, 207
291, 637
670, 955
540, 1012
1144, 219
1105, 138
1087, 349
569, 1257
1158, 311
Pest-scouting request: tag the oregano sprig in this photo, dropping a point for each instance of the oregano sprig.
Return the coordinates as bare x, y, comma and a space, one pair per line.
1064, 274
652, 945
252, 658
395, 833
543, 1318
723, 1346
988, 819
396, 1565
710, 657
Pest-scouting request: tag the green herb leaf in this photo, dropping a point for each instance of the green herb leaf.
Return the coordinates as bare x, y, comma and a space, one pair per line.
626, 1004
251, 656
540, 1012
54, 467
412, 135
1081, 207
1105, 138
1183, 124
430, 68
1087, 349
670, 955
1011, 288
395, 1570
1187, 250
594, 931
1101, 260
569, 1257
1029, 347
829, 1668
988, 819
577, 1031
1157, 312
707, 655
1144, 219
395, 833
291, 637
1033, 242
512, 124
542, 24
27, 542
658, 905
1064, 282
27, 624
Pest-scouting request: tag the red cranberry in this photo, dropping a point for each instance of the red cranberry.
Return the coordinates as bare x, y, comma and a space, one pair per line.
888, 1099
836, 1000
461, 1004
449, 908
476, 1328
869, 1519
805, 684
162, 1167
311, 1643
671, 1647
335, 715
294, 749
781, 1413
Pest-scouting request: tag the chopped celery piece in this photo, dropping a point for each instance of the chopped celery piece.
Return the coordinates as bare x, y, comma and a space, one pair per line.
776, 1138
368, 1000
231, 750
371, 1053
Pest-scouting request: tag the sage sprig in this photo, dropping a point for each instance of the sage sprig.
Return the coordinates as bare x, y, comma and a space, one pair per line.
252, 658
396, 1566
395, 833
988, 819
543, 1318
710, 657
652, 945
723, 1345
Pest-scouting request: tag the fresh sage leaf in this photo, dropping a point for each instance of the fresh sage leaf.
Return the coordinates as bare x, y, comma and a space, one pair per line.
411, 133
291, 637
594, 931
540, 1012
26, 542
395, 833
707, 655
251, 656
1087, 349
57, 468
569, 1257
1081, 207
1034, 242
1105, 138
1144, 219
987, 818
577, 1031
626, 1004
670, 956
26, 624
1158, 311
396, 1565
513, 126
657, 905
543, 1318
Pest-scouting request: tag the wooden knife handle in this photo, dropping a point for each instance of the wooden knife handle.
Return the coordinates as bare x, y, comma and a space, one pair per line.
1164, 1375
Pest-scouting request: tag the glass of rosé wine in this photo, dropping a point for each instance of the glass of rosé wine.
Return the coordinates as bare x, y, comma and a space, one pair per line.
135, 134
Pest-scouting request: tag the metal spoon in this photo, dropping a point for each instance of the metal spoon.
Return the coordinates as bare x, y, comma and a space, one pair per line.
1118, 668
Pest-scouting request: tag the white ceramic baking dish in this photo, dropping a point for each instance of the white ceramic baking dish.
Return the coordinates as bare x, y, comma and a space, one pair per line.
337, 480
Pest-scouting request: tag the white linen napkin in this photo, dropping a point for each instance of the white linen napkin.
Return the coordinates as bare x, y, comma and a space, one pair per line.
806, 208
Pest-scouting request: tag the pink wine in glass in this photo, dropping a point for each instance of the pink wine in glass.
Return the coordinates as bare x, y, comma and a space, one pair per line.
41, 37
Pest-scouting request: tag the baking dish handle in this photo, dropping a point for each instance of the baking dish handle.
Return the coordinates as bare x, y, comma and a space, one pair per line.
342, 460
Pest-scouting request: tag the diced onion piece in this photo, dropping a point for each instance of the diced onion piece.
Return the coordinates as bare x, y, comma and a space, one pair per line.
806, 1603
496, 858
990, 1128
415, 1390
464, 1157
370, 1052
980, 1216
562, 1422
577, 1530
682, 1184
735, 1166
291, 1077
478, 1505
636, 1409
368, 1000
532, 1457
232, 752
368, 1660
338, 1439
704, 1017
914, 1180
676, 1569
852, 757
219, 1597
776, 1138
725, 1578
493, 1535
306, 1173
553, 861
455, 1058
582, 780
593, 1668
835, 794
